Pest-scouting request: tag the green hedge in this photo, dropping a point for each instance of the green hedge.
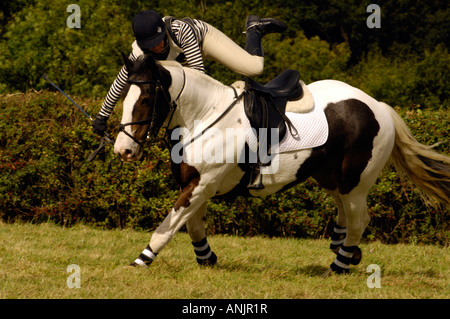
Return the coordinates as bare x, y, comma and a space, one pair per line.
45, 176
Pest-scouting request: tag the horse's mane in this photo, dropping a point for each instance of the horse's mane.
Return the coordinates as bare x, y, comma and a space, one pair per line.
169, 63
140, 66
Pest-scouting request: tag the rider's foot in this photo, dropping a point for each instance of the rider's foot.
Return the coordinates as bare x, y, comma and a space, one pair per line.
265, 25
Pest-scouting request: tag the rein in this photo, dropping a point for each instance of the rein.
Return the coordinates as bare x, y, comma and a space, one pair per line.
104, 140
228, 109
173, 107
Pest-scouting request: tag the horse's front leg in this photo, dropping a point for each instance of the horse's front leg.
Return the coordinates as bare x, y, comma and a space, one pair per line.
196, 229
191, 199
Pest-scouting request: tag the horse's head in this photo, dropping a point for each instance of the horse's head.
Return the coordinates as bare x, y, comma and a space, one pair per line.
146, 106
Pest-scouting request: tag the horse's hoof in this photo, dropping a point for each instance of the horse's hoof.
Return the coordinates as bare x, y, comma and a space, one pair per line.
336, 249
128, 267
357, 256
135, 265
209, 264
327, 273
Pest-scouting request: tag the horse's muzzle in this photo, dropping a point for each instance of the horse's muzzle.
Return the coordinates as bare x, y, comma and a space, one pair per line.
126, 149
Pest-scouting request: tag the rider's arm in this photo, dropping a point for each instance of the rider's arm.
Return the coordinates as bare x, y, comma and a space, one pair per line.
99, 124
190, 46
114, 92
119, 83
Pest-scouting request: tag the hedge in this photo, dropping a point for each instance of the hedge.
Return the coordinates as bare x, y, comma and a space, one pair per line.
45, 176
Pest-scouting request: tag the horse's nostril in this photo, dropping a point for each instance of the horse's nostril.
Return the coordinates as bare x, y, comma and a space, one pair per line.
125, 153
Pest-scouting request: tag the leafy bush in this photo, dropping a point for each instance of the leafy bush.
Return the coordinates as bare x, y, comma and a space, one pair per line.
45, 141
312, 57
37, 41
405, 79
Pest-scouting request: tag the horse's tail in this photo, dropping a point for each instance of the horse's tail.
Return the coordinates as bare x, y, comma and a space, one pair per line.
426, 168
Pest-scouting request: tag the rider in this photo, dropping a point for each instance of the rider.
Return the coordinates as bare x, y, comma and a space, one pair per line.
188, 41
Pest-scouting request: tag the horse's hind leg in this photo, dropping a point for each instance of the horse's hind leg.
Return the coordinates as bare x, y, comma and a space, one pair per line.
339, 231
196, 229
357, 219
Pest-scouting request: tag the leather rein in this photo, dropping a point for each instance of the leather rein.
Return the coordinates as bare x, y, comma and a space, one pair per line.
173, 107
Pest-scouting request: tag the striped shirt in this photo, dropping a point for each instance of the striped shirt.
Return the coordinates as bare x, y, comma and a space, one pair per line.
188, 52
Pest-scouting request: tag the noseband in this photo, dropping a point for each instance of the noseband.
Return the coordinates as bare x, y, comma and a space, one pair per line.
151, 120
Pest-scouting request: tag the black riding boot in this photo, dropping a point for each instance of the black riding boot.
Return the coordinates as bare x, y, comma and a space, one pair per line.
256, 28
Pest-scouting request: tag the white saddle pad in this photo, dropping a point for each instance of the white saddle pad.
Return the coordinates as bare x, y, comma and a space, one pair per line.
312, 130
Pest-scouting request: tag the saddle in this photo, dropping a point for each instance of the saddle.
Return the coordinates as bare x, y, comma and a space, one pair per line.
265, 107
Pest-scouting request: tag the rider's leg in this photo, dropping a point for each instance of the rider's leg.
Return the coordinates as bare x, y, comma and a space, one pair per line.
249, 62
219, 47
256, 28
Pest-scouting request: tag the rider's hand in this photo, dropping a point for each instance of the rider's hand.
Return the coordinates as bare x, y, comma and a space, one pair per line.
99, 124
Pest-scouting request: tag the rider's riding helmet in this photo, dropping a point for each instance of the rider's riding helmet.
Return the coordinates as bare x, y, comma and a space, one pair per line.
149, 29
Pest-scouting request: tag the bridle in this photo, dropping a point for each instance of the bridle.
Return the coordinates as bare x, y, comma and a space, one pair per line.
173, 105
158, 88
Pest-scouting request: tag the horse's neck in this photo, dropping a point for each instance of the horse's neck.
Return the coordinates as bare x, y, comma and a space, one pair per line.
203, 99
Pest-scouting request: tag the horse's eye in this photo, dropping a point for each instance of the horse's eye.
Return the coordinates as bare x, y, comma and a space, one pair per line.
146, 101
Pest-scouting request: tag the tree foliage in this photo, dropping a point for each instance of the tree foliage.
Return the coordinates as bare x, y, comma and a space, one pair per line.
325, 39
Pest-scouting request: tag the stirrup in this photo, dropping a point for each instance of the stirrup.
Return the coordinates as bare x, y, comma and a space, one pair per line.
259, 185
251, 22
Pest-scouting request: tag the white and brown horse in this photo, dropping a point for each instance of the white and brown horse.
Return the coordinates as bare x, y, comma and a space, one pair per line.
363, 135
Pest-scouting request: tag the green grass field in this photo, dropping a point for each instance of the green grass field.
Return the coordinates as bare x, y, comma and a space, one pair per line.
34, 261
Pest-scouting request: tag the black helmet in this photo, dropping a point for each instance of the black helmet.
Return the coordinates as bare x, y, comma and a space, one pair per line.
149, 29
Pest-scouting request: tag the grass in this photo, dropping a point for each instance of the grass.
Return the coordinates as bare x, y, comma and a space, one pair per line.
34, 261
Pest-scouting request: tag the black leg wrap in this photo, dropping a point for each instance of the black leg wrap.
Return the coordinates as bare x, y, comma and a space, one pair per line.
145, 258
337, 237
343, 259
205, 256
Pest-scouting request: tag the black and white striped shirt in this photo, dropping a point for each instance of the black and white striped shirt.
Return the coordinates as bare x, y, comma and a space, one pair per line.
189, 46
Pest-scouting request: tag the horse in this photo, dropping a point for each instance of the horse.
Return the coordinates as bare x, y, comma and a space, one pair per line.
363, 135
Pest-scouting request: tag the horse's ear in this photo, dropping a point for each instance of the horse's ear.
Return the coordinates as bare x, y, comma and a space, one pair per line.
150, 63
128, 63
